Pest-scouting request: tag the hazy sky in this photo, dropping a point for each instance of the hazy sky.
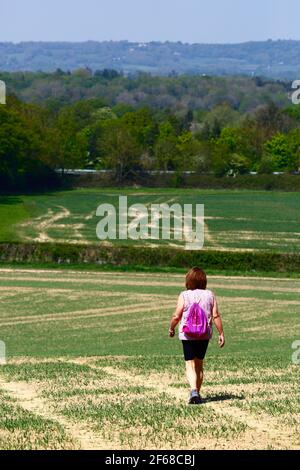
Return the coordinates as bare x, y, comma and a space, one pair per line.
147, 20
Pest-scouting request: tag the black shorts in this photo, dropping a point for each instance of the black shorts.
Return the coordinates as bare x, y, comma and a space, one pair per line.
194, 349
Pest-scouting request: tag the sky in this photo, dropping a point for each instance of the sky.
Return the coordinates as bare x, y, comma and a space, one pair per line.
190, 21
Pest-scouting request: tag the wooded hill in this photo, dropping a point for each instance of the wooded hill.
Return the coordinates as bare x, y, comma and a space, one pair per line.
276, 59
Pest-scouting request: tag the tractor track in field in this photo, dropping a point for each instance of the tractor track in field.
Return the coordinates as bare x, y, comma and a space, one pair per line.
262, 432
134, 282
218, 278
51, 220
45, 222
27, 397
88, 313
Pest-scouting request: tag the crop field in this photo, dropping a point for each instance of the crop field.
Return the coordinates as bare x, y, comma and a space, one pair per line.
234, 220
90, 364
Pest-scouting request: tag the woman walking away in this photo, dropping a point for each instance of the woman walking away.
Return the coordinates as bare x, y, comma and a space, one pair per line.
196, 310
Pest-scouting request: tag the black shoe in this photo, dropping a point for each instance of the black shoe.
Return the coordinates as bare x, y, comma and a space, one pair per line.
195, 398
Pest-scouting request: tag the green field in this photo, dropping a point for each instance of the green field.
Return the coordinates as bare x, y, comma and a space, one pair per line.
234, 220
89, 361
90, 364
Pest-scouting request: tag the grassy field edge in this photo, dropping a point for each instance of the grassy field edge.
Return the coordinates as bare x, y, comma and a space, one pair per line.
85, 267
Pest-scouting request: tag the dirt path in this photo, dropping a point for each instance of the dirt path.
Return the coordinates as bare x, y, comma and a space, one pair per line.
263, 431
27, 396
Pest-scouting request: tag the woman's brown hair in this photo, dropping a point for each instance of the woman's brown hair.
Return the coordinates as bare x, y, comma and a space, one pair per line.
196, 279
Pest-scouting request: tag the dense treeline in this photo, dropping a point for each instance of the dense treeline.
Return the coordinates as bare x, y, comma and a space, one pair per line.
219, 139
270, 58
25, 161
60, 88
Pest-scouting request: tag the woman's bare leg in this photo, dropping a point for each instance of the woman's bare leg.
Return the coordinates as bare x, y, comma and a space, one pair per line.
194, 373
199, 373
191, 373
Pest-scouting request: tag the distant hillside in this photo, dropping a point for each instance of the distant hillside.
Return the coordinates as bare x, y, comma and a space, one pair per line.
276, 59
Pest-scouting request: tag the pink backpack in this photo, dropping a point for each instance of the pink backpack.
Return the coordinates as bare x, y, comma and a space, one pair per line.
196, 324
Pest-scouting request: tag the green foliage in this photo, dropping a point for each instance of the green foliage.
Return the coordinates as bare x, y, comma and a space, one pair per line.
231, 95
226, 156
277, 150
166, 151
218, 118
132, 137
23, 149
282, 152
160, 257
294, 148
190, 151
119, 148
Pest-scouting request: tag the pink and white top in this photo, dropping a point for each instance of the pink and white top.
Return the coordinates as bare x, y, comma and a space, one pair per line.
205, 298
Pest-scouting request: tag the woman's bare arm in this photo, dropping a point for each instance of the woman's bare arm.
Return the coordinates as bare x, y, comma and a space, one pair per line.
176, 316
218, 323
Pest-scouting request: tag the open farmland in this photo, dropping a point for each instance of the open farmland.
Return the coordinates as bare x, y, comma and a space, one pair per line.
90, 364
234, 220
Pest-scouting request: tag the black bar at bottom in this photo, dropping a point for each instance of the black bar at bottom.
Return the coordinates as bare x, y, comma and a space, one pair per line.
150, 459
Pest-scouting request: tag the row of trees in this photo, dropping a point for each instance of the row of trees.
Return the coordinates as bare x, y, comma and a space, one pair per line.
88, 134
